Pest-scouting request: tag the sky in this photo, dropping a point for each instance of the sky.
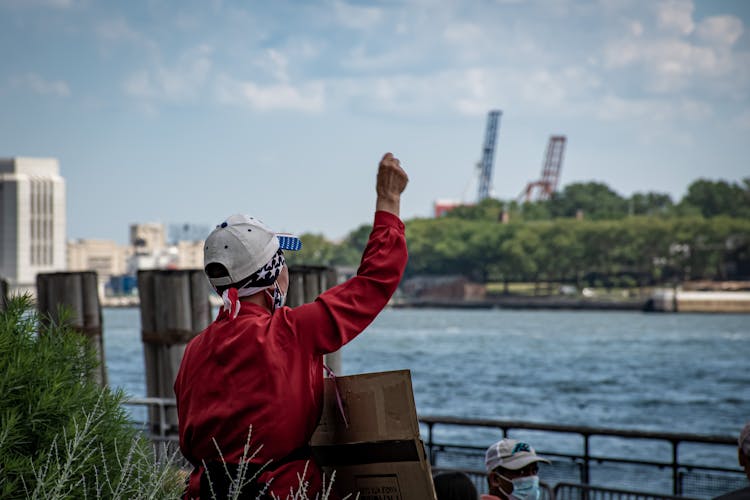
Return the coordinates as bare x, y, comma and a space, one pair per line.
189, 111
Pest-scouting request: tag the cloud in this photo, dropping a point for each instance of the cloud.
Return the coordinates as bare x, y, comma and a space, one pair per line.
308, 97
117, 30
636, 29
720, 30
681, 55
456, 58
676, 16
39, 85
272, 87
476, 83
276, 64
356, 17
469, 91
670, 64
55, 4
464, 33
396, 94
647, 110
182, 81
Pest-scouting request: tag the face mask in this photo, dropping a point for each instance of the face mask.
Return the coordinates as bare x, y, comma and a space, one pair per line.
278, 298
524, 488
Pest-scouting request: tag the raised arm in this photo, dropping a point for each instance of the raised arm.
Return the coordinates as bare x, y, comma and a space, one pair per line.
341, 313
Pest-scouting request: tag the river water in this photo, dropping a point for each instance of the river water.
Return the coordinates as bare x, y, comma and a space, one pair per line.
626, 370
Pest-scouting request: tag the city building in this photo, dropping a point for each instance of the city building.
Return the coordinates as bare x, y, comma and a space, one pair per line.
105, 257
32, 220
150, 250
148, 238
190, 254
444, 206
117, 265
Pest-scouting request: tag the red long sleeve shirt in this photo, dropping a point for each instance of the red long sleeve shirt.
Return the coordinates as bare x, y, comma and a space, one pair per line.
265, 369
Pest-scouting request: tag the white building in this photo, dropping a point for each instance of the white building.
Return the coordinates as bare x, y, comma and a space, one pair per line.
32, 220
151, 250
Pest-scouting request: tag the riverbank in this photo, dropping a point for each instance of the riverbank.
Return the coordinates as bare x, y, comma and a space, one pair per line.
527, 302
660, 300
669, 300
133, 301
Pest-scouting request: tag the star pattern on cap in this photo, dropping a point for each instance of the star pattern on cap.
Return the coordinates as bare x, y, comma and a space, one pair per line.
268, 273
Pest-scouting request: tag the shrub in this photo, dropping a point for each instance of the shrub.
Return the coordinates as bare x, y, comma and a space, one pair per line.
61, 434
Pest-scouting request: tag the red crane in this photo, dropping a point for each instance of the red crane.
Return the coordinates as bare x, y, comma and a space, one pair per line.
550, 171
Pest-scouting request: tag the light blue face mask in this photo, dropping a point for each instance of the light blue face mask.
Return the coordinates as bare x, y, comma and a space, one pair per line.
278, 298
524, 488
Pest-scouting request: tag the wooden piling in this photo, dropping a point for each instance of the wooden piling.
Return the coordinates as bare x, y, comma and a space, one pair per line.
305, 284
78, 293
3, 295
174, 308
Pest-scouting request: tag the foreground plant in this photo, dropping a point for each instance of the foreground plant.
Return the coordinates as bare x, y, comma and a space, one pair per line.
242, 479
61, 434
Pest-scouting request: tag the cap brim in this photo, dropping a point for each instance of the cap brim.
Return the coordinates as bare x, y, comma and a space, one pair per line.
289, 242
522, 462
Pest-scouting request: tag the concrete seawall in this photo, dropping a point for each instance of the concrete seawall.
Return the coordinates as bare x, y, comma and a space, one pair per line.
525, 303
661, 300
669, 300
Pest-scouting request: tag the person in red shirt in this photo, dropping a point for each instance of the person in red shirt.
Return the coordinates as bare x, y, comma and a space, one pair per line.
250, 386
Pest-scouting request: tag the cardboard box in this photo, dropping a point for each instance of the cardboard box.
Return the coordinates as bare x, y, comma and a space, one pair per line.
379, 454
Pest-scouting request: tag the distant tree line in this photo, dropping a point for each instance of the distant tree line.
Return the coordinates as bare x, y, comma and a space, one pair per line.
586, 234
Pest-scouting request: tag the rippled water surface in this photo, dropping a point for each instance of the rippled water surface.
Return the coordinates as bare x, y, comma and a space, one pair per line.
628, 370
668, 372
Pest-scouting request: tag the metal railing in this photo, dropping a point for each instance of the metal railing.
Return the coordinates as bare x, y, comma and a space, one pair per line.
569, 491
570, 470
577, 467
162, 435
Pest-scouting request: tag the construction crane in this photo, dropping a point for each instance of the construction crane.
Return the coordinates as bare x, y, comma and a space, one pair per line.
550, 172
488, 154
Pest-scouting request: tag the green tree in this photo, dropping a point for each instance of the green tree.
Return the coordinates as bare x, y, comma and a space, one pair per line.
316, 251
713, 198
565, 250
533, 211
517, 254
488, 209
595, 200
441, 246
650, 204
349, 251
649, 238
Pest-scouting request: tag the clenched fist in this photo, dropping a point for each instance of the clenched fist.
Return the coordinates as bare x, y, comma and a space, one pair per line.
391, 182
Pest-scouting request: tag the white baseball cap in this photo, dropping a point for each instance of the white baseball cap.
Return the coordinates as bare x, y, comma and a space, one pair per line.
243, 245
510, 454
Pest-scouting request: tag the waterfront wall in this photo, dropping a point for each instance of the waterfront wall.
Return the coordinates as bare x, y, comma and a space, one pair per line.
671, 300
